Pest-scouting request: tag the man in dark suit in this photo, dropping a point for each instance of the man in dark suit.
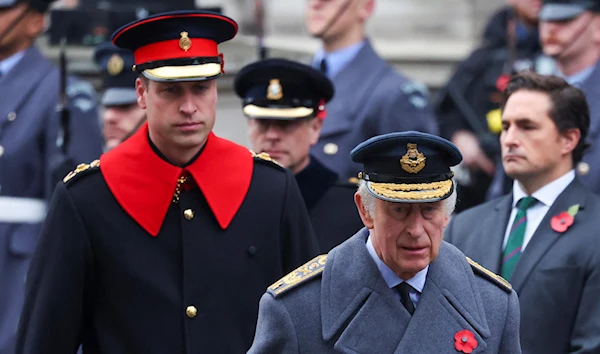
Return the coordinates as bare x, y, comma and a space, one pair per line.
371, 98
543, 236
285, 103
395, 286
165, 244
121, 115
30, 91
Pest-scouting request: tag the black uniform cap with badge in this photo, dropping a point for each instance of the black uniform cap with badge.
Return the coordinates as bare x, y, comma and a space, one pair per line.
282, 89
178, 45
407, 167
565, 10
118, 77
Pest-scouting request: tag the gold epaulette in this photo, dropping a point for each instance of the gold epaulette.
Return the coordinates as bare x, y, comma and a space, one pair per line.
80, 168
299, 276
264, 156
494, 278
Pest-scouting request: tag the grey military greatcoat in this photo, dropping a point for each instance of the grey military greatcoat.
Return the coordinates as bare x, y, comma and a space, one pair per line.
348, 308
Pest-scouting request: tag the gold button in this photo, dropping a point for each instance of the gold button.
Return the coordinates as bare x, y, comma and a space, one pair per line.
583, 168
1, 151
189, 214
12, 116
330, 149
191, 311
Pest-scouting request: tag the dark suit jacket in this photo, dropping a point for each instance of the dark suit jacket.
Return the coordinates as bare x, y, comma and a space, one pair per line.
371, 98
558, 276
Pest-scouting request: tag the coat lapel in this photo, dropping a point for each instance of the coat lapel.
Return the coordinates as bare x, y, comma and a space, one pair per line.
355, 299
544, 237
19, 81
487, 248
351, 90
448, 304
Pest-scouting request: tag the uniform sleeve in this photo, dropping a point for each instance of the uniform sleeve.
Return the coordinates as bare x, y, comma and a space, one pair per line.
86, 137
408, 110
275, 333
299, 241
585, 337
52, 320
511, 340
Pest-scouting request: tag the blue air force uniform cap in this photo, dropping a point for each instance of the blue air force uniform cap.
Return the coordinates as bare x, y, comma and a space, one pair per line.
118, 79
177, 45
282, 89
563, 10
38, 5
407, 167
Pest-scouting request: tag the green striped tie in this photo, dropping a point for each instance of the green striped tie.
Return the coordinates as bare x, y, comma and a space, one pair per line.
512, 251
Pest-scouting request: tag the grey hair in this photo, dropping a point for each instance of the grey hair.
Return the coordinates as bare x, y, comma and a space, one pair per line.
368, 199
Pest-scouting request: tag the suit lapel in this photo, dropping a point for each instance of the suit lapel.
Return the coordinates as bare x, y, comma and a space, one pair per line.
544, 237
19, 81
488, 246
351, 90
355, 299
447, 305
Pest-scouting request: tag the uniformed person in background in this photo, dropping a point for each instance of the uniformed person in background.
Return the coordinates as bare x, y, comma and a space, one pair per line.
395, 286
285, 103
468, 106
121, 115
371, 98
166, 243
570, 33
30, 91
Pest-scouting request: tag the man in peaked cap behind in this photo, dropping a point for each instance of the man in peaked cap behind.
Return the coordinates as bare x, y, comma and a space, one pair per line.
30, 91
166, 243
121, 114
395, 286
285, 103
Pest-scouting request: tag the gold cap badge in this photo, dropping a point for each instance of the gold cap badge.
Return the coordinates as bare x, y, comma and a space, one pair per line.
115, 65
274, 91
413, 161
185, 42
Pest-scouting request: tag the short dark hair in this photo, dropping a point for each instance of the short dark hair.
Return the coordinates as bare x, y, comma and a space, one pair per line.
569, 106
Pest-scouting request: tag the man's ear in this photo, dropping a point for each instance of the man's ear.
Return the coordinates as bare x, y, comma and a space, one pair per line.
365, 216
140, 91
315, 130
367, 9
570, 138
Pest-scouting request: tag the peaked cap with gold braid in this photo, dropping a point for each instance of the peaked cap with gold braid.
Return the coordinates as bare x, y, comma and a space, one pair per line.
407, 167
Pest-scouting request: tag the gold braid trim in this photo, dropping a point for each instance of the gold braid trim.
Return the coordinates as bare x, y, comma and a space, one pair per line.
420, 191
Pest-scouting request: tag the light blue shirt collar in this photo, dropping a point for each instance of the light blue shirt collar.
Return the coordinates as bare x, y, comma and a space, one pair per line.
548, 193
579, 77
391, 279
338, 60
7, 64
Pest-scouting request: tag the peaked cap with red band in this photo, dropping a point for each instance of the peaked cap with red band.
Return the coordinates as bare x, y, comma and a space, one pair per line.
144, 184
178, 45
282, 89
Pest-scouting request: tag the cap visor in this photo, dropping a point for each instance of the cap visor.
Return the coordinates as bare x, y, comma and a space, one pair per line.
253, 111
119, 97
184, 73
412, 193
560, 12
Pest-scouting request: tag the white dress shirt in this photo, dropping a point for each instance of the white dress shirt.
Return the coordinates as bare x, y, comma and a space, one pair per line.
545, 198
7, 64
417, 282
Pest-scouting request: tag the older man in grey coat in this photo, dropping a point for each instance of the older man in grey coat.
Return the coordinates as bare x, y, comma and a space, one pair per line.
395, 286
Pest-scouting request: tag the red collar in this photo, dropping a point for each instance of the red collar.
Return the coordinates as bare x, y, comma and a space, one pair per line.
143, 183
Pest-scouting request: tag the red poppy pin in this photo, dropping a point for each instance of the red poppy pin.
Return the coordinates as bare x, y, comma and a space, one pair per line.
561, 222
464, 341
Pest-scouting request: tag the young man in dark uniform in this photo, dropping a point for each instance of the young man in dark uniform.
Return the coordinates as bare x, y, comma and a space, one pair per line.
166, 244
285, 104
